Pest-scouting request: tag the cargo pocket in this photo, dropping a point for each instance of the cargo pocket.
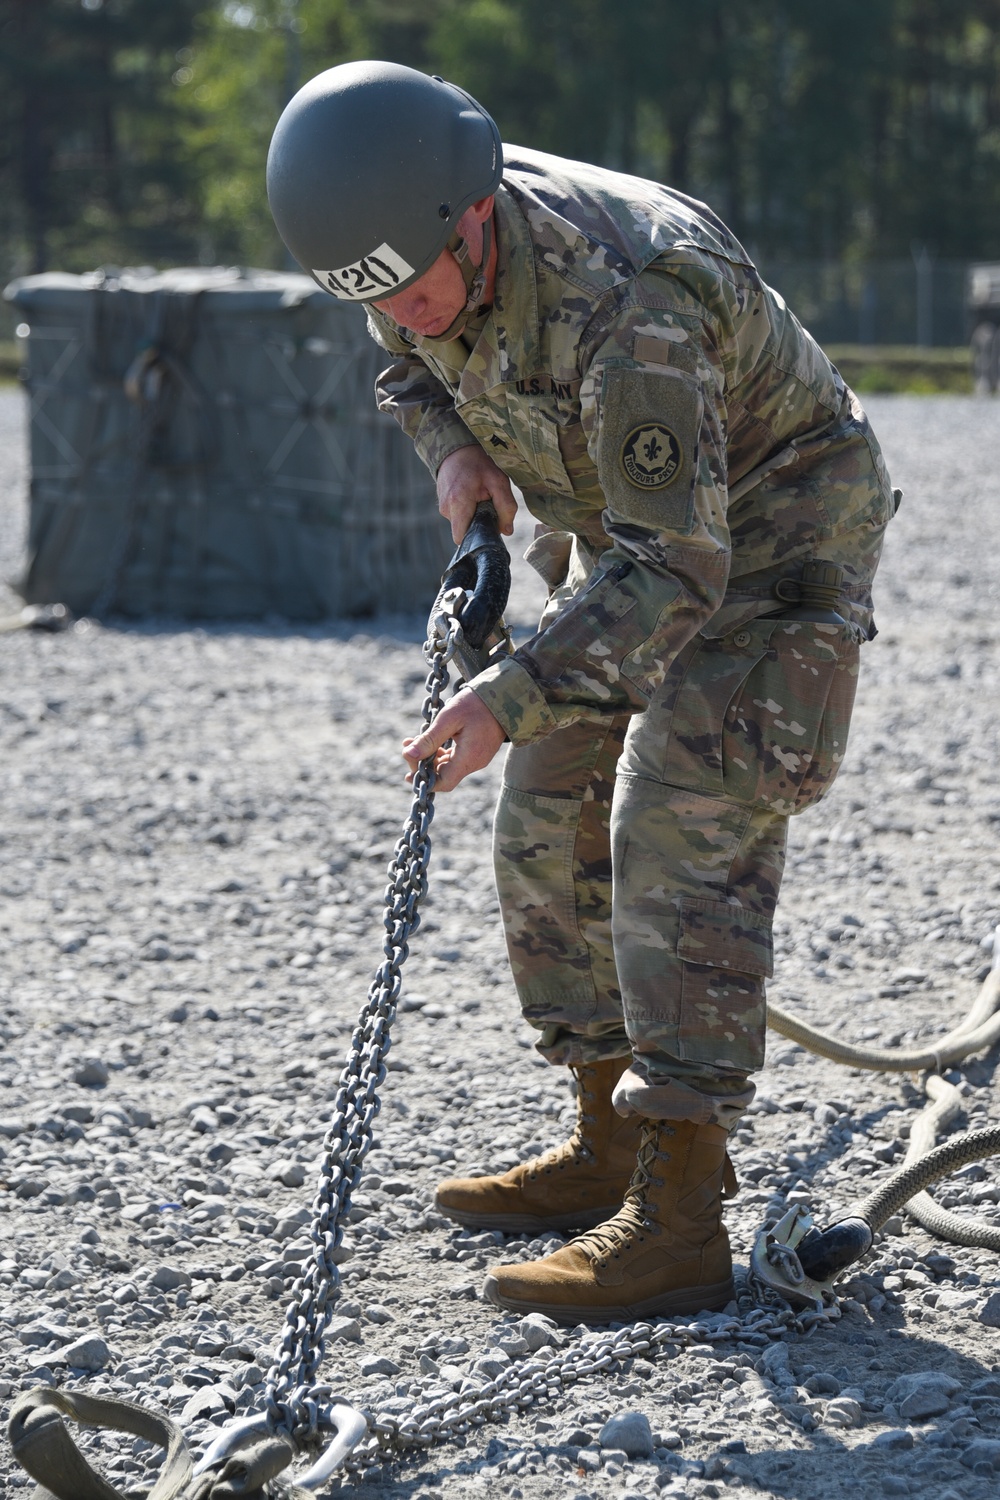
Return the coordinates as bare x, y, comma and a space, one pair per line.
688, 717
726, 953
785, 731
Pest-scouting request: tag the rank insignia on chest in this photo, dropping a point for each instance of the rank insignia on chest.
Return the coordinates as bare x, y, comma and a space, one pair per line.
650, 456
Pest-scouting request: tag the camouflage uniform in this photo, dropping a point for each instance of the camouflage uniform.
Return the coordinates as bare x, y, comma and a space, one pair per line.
685, 445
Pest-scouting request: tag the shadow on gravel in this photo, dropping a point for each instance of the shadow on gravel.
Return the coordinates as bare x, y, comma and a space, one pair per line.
955, 1453
405, 628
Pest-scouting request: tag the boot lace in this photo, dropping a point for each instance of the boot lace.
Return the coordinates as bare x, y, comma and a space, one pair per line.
634, 1220
578, 1148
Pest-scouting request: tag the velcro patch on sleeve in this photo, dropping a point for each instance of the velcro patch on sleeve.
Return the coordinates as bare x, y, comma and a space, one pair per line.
647, 449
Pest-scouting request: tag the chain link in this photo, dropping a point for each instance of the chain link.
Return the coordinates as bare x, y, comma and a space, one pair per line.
289, 1400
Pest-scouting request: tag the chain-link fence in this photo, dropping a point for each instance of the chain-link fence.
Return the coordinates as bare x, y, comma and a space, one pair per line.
917, 301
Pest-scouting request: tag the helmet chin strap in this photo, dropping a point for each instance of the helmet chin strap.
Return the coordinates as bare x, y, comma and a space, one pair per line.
474, 278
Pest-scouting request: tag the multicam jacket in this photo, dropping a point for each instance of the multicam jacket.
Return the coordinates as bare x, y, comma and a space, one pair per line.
651, 396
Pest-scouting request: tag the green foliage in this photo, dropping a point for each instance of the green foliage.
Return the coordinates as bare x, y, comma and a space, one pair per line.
138, 129
89, 124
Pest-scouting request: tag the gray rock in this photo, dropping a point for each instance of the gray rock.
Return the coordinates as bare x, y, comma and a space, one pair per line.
776, 1366
893, 1440
989, 1313
34, 1279
377, 1364
919, 1396
88, 1352
537, 1331
376, 1313
630, 1431
213, 1206
450, 1348
209, 1401
955, 1299
822, 1384
344, 1331
209, 1343
842, 1411
31, 1187
288, 1227
91, 1072
38, 1334
169, 1278
291, 1173
396, 1187
513, 1346
984, 1451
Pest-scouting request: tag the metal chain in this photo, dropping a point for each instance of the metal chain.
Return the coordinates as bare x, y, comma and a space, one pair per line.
295, 1402
526, 1381
291, 1387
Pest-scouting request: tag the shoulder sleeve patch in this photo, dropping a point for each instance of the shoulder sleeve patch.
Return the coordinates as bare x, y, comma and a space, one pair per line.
647, 447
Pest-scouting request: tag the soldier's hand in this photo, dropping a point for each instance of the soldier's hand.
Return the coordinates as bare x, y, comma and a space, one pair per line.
467, 478
475, 734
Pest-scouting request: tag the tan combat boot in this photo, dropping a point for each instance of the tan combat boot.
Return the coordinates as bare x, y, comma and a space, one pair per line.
580, 1183
665, 1251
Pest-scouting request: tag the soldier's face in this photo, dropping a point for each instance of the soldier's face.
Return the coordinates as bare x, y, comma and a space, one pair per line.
432, 302
435, 300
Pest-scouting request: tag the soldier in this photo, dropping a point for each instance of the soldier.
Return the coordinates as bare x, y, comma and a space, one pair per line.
711, 503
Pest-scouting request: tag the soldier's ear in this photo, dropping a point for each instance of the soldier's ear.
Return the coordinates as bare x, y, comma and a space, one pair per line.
483, 208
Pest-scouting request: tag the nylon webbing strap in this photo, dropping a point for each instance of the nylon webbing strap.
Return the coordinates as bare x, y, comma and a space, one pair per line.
43, 1446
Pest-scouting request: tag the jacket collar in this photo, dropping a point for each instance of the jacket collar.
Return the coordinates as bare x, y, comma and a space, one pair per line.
508, 346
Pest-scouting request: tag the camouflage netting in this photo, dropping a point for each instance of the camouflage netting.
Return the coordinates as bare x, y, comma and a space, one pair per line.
205, 443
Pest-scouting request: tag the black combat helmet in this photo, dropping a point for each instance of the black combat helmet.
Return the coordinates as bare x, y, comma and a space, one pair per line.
370, 168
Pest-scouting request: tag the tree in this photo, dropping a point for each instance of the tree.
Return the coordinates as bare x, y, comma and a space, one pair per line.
844, 132
88, 121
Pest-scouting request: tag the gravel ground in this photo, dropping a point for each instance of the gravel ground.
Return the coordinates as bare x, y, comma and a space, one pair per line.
192, 849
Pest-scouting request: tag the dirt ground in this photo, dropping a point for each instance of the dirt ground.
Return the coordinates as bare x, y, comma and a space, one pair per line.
194, 828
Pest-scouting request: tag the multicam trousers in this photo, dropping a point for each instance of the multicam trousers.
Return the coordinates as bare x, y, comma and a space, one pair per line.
639, 861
